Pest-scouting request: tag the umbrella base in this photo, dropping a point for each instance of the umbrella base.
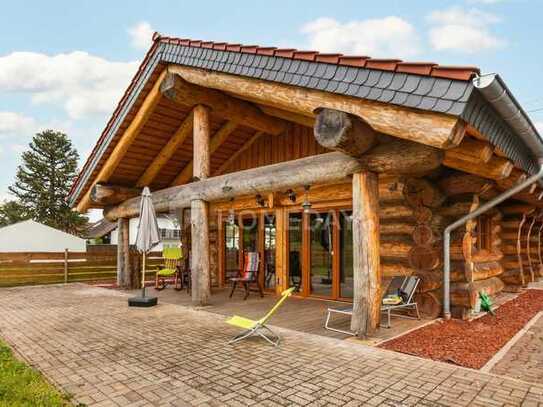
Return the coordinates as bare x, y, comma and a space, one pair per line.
142, 301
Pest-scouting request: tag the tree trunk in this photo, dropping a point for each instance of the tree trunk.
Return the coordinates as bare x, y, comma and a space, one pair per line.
366, 259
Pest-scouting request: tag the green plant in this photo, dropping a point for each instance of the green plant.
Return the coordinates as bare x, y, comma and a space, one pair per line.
22, 386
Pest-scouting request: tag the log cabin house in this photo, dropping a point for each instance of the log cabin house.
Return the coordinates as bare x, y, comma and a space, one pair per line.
341, 171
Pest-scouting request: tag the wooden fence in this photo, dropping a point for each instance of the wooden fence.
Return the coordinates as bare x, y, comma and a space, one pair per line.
64, 267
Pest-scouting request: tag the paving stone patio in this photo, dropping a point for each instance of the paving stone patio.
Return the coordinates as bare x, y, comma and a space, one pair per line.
525, 358
91, 344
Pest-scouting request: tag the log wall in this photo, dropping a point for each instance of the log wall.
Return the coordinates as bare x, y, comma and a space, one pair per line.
512, 263
473, 269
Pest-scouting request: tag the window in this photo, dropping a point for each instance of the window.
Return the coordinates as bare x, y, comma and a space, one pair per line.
169, 233
484, 233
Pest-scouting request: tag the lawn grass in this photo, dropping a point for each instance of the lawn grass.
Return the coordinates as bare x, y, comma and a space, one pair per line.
20, 385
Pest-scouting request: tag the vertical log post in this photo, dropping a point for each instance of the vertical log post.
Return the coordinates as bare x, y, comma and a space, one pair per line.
123, 255
201, 289
366, 261
65, 266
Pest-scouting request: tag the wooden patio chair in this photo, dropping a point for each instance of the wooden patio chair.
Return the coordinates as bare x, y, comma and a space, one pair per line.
248, 274
253, 328
406, 292
173, 257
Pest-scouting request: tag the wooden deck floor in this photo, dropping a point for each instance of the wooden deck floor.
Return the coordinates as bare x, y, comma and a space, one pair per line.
299, 314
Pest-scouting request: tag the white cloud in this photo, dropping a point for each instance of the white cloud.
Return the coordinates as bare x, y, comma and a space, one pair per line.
141, 35
12, 123
539, 127
386, 37
81, 83
457, 29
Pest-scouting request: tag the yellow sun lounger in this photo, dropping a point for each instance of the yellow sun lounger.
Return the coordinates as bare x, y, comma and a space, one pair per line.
252, 328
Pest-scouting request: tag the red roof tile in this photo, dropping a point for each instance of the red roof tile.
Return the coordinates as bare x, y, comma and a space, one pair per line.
463, 73
417, 68
352, 60
328, 58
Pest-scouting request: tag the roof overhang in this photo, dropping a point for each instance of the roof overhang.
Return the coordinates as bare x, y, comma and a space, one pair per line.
423, 88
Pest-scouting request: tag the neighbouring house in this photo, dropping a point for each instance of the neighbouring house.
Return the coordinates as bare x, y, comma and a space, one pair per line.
32, 236
107, 233
169, 233
341, 171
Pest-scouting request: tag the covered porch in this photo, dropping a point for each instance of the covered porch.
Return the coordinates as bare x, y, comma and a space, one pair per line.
297, 313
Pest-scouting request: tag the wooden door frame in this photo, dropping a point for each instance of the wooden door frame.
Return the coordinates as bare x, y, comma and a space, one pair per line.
262, 234
339, 297
305, 257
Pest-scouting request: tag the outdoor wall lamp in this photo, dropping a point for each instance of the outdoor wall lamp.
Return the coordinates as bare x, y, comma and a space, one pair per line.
231, 213
291, 195
306, 205
260, 201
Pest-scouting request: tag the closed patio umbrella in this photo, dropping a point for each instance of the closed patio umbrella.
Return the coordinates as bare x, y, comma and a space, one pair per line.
148, 236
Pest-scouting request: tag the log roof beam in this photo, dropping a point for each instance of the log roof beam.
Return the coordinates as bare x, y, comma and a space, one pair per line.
497, 168
114, 158
167, 151
182, 92
430, 128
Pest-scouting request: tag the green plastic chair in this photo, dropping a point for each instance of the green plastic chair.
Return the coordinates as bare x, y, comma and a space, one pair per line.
173, 257
258, 328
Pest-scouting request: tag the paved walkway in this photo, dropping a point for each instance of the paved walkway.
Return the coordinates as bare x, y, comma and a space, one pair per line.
525, 358
89, 342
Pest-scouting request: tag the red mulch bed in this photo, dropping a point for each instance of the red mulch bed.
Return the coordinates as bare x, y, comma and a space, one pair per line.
470, 343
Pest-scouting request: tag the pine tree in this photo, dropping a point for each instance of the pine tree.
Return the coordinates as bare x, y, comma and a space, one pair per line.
12, 212
44, 179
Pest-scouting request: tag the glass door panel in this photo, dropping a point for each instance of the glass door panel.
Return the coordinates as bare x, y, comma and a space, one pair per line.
269, 251
321, 253
295, 232
250, 234
346, 254
232, 250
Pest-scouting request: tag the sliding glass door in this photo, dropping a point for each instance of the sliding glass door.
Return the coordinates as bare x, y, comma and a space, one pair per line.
320, 248
321, 252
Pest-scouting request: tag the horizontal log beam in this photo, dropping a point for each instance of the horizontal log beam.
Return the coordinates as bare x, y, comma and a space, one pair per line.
289, 116
430, 128
108, 194
472, 150
459, 184
320, 169
180, 91
497, 168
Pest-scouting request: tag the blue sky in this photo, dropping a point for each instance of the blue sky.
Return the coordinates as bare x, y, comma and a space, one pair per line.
64, 64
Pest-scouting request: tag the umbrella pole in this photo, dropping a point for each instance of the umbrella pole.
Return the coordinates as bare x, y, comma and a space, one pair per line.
143, 278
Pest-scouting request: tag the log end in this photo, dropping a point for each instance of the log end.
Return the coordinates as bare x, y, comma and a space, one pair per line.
341, 131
